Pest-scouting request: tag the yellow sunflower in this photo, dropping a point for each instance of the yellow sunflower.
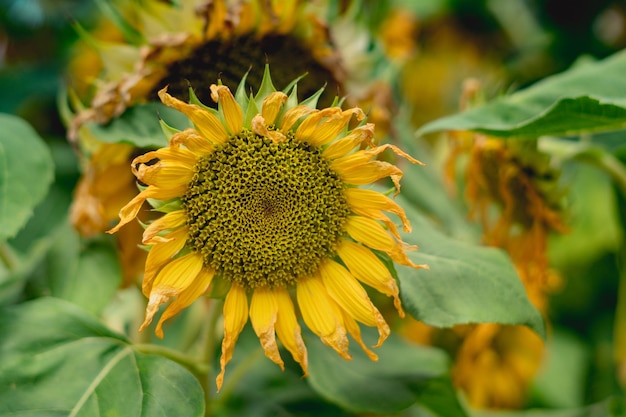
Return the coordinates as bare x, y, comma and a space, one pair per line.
192, 43
263, 194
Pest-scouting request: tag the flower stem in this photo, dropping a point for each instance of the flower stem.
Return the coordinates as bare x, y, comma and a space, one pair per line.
208, 351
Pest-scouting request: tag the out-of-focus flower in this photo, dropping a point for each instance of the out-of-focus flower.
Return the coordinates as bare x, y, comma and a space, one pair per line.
192, 43
514, 193
263, 194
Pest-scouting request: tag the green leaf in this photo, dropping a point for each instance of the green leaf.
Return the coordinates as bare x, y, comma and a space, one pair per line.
589, 97
56, 361
26, 172
139, 125
87, 276
466, 283
404, 374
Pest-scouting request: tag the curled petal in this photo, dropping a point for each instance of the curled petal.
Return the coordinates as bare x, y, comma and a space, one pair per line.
263, 314
350, 295
322, 314
288, 329
130, 210
294, 114
235, 318
363, 156
169, 155
172, 220
209, 126
356, 137
309, 126
229, 106
371, 204
353, 329
260, 128
370, 172
370, 270
329, 128
175, 277
272, 105
185, 297
372, 234
192, 140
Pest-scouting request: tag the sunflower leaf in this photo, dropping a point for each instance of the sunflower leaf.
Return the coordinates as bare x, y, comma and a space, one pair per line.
466, 283
404, 374
26, 173
141, 126
586, 98
84, 369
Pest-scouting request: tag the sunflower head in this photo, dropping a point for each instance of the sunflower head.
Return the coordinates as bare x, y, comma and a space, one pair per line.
263, 194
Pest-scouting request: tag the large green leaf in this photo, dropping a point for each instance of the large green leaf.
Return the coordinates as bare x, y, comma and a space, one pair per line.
466, 283
403, 375
589, 97
56, 361
26, 172
139, 126
86, 274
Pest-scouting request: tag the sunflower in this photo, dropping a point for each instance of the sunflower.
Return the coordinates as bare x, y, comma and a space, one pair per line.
191, 43
263, 194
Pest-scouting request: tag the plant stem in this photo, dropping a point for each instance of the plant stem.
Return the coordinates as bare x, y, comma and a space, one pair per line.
197, 368
7, 257
208, 351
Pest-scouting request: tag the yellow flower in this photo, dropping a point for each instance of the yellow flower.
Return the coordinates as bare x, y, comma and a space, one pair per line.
263, 194
192, 43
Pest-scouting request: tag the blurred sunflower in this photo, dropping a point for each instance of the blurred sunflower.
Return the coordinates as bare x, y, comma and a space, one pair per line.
514, 192
263, 195
191, 43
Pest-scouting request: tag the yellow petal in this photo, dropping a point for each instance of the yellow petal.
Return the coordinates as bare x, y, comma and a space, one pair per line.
372, 234
288, 329
272, 105
186, 296
350, 295
130, 210
172, 220
165, 175
192, 140
263, 314
168, 154
365, 155
161, 253
370, 172
309, 126
235, 318
175, 277
355, 331
230, 108
369, 203
329, 128
294, 114
209, 126
259, 127
367, 268
357, 136
322, 314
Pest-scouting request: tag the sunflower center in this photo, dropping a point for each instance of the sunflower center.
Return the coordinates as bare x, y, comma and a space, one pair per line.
230, 60
264, 213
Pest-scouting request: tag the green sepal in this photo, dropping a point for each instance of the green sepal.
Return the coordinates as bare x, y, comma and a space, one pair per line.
168, 130
266, 88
